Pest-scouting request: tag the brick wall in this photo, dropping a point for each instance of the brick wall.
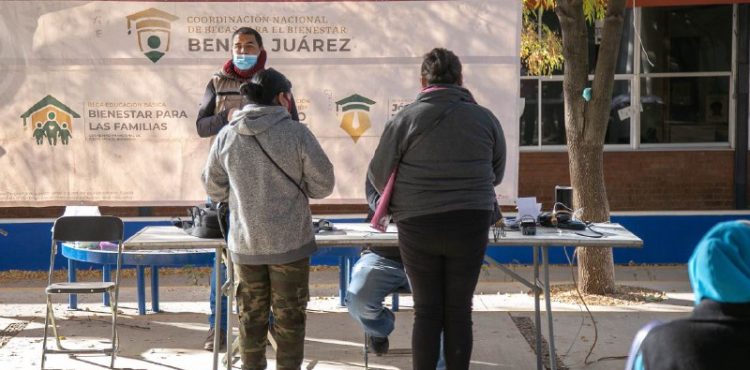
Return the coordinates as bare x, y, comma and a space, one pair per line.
643, 180
636, 181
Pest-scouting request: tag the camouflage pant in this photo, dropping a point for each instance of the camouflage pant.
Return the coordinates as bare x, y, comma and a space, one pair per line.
284, 288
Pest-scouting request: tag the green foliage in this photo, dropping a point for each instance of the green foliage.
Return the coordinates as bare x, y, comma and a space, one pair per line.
592, 9
541, 50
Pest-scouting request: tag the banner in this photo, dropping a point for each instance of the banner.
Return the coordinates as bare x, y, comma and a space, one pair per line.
98, 99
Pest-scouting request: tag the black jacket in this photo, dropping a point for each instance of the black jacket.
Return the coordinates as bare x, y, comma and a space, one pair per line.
716, 336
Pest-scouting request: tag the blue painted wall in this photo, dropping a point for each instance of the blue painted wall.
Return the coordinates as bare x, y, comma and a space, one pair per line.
667, 239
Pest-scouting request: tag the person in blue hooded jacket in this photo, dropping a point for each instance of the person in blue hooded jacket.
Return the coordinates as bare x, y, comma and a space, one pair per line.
717, 334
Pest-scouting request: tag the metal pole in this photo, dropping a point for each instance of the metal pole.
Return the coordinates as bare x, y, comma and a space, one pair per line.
217, 309
742, 110
537, 314
72, 298
106, 276
141, 288
155, 288
548, 307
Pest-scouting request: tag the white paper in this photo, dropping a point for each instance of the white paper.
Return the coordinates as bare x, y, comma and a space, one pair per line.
82, 211
624, 113
527, 206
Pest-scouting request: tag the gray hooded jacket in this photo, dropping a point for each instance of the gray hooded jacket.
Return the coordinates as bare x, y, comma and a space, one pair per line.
270, 220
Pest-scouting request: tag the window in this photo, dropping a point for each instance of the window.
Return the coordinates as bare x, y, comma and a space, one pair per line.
687, 39
685, 110
683, 89
529, 129
686, 71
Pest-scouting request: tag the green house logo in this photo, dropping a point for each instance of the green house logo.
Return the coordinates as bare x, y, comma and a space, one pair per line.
356, 118
153, 29
50, 119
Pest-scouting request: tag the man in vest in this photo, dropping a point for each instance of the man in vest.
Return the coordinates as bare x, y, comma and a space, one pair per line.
220, 100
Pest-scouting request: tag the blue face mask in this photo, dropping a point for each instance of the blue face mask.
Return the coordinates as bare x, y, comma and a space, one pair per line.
244, 61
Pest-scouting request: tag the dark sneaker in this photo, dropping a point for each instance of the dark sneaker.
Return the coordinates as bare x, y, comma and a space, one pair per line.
378, 345
208, 345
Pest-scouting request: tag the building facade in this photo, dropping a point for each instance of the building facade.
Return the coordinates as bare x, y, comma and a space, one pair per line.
677, 132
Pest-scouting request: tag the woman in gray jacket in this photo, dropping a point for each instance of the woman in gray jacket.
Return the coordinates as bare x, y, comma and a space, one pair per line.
450, 153
266, 166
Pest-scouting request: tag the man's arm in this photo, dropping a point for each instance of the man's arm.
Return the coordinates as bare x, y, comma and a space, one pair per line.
208, 122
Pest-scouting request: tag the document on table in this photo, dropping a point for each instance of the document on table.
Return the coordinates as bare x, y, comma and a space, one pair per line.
363, 228
527, 206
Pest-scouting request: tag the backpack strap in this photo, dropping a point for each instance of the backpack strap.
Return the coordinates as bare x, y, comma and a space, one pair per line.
279, 167
448, 110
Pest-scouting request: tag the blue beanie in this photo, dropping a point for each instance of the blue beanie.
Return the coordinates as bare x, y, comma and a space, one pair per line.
720, 266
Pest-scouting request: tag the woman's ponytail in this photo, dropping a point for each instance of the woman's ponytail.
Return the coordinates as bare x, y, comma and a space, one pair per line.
265, 86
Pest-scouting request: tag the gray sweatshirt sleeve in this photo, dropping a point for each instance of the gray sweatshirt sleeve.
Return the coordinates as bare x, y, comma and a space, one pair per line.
215, 178
317, 171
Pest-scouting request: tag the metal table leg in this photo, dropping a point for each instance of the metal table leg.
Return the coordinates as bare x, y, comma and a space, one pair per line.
155, 288
229, 288
72, 298
537, 314
141, 288
343, 281
218, 308
106, 276
548, 307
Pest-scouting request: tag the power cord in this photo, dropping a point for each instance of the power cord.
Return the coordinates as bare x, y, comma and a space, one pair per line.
597, 234
591, 315
580, 296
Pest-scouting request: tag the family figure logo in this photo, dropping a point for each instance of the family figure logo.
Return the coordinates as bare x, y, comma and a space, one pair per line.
356, 118
50, 119
153, 29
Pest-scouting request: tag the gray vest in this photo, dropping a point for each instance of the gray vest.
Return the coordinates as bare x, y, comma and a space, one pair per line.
228, 94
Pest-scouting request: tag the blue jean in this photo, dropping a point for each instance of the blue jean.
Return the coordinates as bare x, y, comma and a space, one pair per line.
373, 278
212, 298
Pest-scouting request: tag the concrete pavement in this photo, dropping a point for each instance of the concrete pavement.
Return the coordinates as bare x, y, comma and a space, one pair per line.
172, 339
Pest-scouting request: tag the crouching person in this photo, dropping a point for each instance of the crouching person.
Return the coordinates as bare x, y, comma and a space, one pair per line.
266, 166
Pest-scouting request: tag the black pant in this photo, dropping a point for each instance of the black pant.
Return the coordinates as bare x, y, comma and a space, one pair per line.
443, 255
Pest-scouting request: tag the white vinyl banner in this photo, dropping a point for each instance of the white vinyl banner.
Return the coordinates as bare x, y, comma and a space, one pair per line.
98, 99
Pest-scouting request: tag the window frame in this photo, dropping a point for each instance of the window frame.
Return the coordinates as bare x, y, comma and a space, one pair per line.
635, 96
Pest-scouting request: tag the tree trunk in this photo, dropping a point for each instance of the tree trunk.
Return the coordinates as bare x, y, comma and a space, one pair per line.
586, 126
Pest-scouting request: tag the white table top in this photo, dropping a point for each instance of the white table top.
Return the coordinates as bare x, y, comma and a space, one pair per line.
614, 235
360, 234
168, 237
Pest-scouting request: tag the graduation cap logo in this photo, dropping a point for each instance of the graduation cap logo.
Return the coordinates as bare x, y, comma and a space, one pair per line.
152, 29
356, 119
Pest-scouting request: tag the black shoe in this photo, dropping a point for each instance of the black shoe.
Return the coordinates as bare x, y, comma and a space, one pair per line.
208, 345
378, 345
